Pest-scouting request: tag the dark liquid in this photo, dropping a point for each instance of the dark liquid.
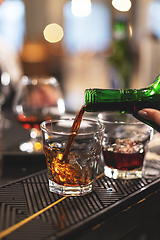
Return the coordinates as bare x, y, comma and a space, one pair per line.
63, 173
30, 121
73, 133
123, 161
60, 169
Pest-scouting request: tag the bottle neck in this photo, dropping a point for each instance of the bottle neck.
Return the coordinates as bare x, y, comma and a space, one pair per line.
143, 94
128, 100
93, 96
102, 99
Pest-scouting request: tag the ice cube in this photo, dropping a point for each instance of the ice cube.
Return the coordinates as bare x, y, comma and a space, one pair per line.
72, 158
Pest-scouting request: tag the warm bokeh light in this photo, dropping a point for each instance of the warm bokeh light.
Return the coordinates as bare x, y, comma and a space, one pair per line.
37, 147
130, 30
81, 8
34, 52
122, 5
1, 1
53, 33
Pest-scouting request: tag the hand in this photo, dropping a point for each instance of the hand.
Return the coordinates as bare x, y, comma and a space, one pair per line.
150, 114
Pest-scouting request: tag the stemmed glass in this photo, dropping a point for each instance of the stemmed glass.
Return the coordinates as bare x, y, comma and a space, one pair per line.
37, 99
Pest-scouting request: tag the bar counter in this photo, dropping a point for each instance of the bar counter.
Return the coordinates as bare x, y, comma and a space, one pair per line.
116, 209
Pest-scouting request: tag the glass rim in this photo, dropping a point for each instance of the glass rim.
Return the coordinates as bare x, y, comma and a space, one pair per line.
103, 120
42, 127
31, 80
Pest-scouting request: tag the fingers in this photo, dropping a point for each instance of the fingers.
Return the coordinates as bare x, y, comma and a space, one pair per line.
150, 114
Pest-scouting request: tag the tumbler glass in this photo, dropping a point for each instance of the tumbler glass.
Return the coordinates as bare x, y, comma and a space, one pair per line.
76, 174
124, 145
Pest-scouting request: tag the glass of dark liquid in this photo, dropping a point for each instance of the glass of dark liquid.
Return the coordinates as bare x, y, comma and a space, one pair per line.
124, 145
72, 157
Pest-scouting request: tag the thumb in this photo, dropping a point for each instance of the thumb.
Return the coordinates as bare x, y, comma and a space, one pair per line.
150, 114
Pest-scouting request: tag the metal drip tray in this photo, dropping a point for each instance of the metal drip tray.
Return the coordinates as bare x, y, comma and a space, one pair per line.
73, 215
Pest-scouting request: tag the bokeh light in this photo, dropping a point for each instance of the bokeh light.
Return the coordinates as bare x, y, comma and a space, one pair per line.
81, 8
53, 33
122, 5
130, 30
87, 35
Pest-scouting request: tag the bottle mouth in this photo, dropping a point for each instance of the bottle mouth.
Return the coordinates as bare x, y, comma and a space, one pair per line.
89, 96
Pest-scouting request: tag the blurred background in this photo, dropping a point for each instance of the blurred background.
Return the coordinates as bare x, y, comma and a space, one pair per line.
82, 43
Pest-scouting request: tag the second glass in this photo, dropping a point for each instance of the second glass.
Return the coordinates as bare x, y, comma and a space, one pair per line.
124, 145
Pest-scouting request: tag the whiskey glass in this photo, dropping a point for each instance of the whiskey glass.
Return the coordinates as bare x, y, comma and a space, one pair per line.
125, 144
37, 99
75, 175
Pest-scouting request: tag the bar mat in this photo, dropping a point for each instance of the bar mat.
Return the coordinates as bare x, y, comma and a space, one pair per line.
24, 197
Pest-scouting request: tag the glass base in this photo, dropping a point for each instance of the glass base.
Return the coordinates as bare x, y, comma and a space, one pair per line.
122, 174
70, 190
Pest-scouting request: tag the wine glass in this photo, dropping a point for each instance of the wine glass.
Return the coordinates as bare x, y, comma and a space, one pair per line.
37, 99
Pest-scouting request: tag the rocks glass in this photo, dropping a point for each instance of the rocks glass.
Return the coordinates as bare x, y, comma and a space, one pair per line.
124, 145
76, 174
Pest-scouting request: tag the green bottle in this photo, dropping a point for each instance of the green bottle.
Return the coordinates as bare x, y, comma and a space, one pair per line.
121, 60
125, 101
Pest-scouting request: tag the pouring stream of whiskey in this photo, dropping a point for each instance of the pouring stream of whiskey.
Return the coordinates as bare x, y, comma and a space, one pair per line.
73, 132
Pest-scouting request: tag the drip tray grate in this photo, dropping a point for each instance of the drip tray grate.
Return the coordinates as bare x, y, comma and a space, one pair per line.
26, 196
